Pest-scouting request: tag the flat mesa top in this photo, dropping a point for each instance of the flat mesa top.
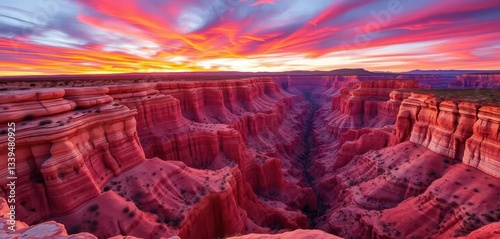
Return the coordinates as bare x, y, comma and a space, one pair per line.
479, 96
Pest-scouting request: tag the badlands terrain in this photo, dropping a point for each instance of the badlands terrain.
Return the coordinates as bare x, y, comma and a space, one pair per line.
337, 155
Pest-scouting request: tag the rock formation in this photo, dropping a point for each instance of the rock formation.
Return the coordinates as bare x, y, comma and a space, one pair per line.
434, 81
379, 182
310, 234
364, 156
475, 81
92, 142
47, 230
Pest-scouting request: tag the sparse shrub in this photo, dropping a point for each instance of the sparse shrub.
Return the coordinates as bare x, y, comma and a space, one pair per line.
75, 229
93, 208
489, 218
176, 222
93, 225
475, 190
45, 122
29, 117
4, 131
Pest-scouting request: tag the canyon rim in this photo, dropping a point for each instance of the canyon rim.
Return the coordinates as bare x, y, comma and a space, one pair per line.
246, 119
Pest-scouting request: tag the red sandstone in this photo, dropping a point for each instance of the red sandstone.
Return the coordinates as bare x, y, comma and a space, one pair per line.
210, 159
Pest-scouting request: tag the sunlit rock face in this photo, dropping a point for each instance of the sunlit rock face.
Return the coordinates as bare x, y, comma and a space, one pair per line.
428, 175
355, 156
113, 160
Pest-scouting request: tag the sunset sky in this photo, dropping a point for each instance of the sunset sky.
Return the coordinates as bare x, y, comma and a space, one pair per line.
111, 36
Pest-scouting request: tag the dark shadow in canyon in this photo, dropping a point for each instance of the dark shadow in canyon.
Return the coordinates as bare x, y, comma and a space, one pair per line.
306, 159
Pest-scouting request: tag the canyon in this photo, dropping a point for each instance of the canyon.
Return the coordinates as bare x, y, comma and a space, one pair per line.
287, 156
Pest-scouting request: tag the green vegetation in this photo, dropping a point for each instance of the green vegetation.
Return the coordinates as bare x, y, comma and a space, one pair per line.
480, 96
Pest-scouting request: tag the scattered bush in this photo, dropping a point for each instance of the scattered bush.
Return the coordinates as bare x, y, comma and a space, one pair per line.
176, 222
489, 218
93, 208
93, 226
29, 117
75, 229
45, 122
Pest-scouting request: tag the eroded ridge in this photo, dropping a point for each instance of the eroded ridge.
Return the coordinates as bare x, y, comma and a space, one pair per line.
114, 159
354, 156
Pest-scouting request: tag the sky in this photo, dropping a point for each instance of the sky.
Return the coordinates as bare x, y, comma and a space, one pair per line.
39, 37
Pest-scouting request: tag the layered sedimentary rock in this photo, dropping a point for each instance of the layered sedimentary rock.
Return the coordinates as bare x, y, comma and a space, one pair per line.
434, 81
404, 180
476, 81
47, 230
369, 103
158, 198
91, 143
408, 191
211, 159
19, 105
310, 234
460, 130
489, 231
209, 125
75, 152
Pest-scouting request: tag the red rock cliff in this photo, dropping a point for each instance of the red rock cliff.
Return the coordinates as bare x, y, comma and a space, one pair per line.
476, 81
88, 143
458, 130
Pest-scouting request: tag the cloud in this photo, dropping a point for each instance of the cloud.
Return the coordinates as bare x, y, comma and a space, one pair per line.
92, 36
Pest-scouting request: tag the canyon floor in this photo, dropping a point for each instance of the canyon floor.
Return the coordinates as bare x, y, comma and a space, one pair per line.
337, 156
